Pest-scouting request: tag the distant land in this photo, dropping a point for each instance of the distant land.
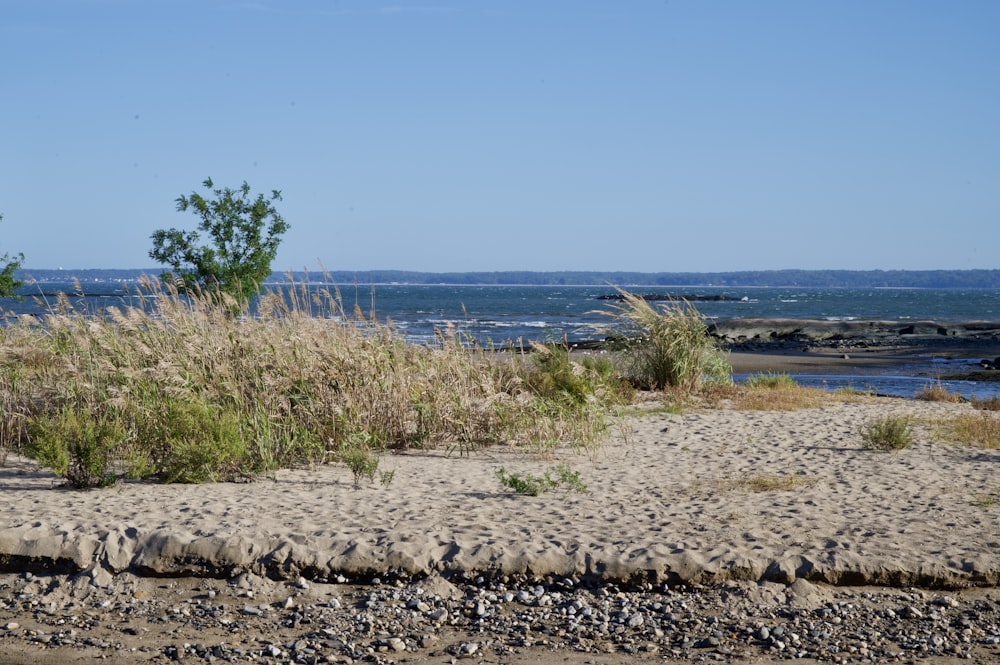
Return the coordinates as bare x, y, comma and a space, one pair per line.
931, 279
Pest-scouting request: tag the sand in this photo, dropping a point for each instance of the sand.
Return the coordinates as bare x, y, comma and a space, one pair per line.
670, 499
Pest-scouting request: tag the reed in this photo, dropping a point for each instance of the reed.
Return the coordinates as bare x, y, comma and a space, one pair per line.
667, 347
170, 386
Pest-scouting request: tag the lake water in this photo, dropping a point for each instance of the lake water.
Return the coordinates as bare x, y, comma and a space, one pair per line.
498, 314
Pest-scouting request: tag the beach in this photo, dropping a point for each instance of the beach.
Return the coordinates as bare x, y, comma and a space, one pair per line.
755, 518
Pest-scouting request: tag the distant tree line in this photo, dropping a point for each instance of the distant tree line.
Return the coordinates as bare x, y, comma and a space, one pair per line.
932, 279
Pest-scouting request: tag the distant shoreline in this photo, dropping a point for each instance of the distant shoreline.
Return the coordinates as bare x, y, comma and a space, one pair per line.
931, 279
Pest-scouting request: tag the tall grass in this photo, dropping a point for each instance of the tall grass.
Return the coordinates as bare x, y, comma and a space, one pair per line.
170, 386
668, 346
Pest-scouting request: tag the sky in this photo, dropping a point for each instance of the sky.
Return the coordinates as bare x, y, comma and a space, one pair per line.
447, 135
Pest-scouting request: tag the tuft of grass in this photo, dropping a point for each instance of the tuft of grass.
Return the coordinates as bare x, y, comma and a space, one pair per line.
987, 500
560, 476
935, 392
887, 433
981, 430
668, 346
777, 396
774, 483
991, 404
772, 381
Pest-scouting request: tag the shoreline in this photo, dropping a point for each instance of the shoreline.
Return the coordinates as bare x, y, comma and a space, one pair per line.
696, 531
737, 536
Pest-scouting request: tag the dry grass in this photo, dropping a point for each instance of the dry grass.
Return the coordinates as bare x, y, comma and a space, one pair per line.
981, 430
666, 347
769, 397
991, 404
760, 482
935, 392
176, 380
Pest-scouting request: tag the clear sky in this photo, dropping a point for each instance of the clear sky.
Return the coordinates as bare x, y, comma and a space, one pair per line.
458, 135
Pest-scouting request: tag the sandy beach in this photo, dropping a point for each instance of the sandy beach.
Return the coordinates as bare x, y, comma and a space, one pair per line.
701, 499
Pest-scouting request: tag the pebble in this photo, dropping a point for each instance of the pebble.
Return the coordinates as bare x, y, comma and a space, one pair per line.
312, 621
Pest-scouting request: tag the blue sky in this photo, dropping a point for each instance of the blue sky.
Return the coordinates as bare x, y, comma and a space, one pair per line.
439, 135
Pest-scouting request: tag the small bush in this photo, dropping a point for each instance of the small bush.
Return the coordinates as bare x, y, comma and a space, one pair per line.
199, 442
559, 476
887, 433
556, 377
79, 446
361, 456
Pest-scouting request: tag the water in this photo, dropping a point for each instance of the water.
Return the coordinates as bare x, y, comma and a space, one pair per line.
498, 314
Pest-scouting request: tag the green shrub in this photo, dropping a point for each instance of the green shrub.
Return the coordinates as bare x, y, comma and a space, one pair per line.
887, 433
555, 376
195, 442
80, 446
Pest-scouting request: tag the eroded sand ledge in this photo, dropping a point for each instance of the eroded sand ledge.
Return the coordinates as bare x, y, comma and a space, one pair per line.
670, 502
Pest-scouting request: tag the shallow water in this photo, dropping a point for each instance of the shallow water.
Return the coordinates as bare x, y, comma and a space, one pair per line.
891, 384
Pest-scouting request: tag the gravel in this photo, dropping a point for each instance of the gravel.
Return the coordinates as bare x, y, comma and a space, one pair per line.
251, 619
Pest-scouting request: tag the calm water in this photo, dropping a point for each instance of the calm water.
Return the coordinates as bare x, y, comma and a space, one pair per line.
497, 314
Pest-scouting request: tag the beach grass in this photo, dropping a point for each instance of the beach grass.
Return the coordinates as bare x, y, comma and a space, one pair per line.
935, 392
981, 430
171, 387
779, 395
666, 347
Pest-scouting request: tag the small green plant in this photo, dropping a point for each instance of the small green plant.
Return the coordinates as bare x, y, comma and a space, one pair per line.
198, 442
78, 445
987, 500
887, 433
556, 376
559, 476
361, 456
773, 380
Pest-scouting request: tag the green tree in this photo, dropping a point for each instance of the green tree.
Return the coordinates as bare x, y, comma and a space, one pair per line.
244, 232
8, 266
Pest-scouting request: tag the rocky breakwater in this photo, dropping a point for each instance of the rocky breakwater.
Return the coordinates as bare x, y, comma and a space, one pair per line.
764, 334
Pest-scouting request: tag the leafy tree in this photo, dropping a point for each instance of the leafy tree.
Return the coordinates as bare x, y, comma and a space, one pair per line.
8, 266
244, 232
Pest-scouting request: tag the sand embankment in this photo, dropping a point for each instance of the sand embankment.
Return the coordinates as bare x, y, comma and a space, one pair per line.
675, 500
